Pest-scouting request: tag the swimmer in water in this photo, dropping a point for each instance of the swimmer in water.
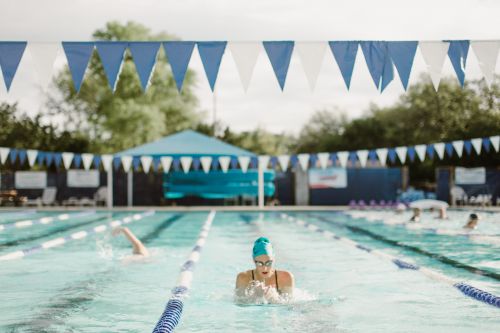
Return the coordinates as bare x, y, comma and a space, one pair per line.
473, 221
265, 281
416, 215
137, 247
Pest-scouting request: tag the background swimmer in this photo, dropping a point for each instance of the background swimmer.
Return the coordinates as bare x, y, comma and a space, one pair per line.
137, 247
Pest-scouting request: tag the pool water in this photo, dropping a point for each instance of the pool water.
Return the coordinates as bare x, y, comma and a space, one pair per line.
90, 285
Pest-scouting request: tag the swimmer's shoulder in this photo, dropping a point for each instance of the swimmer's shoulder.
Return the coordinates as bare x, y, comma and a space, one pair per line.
243, 278
285, 278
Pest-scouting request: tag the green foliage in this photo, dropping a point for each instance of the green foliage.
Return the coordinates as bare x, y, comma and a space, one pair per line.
127, 117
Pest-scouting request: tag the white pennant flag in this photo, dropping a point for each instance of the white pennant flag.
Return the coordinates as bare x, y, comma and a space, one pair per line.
476, 143
420, 149
495, 142
4, 153
263, 161
459, 147
363, 157
303, 161
323, 160
244, 161
87, 160
434, 54
487, 54
44, 56
311, 55
107, 161
127, 163
401, 152
283, 160
186, 163
67, 159
31, 156
439, 148
206, 162
245, 56
343, 157
382, 155
224, 163
166, 163
146, 163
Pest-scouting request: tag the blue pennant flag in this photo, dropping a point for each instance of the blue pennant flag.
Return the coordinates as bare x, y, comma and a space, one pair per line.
372, 156
411, 153
468, 146
486, 144
345, 54
215, 164
449, 149
379, 63
353, 157
48, 158
57, 159
234, 163
392, 155
156, 164
458, 56
403, 54
22, 156
78, 55
117, 162
176, 163
40, 158
294, 160
333, 158
111, 54
254, 162
97, 161
144, 55
10, 57
13, 155
136, 163
430, 151
195, 164
280, 54
211, 57
313, 158
178, 55
273, 160
77, 160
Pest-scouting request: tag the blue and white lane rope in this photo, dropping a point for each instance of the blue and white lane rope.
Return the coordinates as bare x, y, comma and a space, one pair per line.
43, 220
74, 236
466, 289
173, 310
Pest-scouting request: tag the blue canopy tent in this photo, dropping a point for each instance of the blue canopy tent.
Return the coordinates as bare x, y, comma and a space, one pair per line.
215, 184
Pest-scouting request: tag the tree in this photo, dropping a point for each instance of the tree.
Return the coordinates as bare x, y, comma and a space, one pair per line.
127, 117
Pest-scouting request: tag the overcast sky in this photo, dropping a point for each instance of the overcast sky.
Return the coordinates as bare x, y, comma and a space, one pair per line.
254, 20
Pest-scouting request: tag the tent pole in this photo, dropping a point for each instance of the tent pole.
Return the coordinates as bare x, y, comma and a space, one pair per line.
130, 188
109, 200
261, 184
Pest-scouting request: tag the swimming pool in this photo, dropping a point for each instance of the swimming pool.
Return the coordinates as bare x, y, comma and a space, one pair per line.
85, 285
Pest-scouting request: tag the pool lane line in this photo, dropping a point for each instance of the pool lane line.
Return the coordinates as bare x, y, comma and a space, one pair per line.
441, 258
43, 220
173, 310
74, 236
15, 215
465, 288
155, 233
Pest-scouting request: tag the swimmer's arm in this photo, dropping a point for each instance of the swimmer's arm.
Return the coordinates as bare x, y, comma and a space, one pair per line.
138, 247
287, 283
241, 284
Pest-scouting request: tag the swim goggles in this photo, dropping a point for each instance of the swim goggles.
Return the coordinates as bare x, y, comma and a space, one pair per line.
268, 263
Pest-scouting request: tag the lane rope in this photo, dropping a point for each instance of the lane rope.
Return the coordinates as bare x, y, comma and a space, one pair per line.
44, 220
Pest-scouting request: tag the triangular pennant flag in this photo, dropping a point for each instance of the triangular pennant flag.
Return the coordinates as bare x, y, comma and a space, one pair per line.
44, 56
382, 155
166, 163
439, 147
468, 146
311, 55
57, 159
303, 161
476, 143
48, 158
486, 144
127, 163
224, 163
178, 55
459, 147
156, 164
206, 161
111, 54
264, 161
245, 56
279, 54
10, 57
144, 55
449, 149
244, 161
117, 162
186, 163
458, 56
323, 160
195, 164
430, 151
87, 160
22, 156
107, 160
67, 158
211, 57
4, 153
97, 161
379, 62
77, 160
495, 142
146, 163
78, 55
32, 154
402, 55
136, 163
487, 54
401, 152
411, 154
434, 54
344, 53
215, 164
363, 157
392, 155
343, 157
283, 160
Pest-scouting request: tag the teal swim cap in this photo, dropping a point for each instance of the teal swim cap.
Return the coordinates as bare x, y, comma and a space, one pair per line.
262, 246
